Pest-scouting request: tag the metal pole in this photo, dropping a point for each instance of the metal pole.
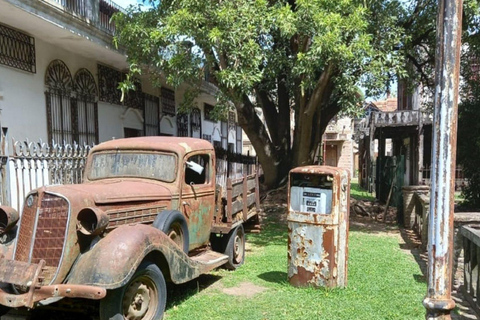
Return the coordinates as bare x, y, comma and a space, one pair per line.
438, 301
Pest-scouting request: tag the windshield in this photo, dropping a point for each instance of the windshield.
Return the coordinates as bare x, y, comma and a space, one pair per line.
137, 164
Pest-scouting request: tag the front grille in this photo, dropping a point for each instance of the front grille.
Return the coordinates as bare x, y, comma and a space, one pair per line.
50, 222
25, 234
51, 227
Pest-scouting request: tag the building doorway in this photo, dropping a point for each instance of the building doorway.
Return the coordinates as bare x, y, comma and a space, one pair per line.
331, 155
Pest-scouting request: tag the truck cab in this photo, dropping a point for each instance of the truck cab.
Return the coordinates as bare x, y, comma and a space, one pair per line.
149, 210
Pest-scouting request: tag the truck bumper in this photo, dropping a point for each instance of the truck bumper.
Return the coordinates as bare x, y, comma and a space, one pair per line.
61, 290
28, 276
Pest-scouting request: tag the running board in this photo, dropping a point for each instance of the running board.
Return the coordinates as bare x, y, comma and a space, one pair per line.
210, 260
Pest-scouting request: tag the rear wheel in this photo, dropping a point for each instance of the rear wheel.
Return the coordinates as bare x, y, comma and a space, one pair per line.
235, 248
142, 298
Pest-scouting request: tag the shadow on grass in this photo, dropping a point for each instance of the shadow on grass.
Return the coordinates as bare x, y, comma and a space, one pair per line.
420, 278
177, 293
273, 232
274, 277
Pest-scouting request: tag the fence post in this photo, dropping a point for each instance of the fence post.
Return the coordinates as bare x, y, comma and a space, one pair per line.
4, 170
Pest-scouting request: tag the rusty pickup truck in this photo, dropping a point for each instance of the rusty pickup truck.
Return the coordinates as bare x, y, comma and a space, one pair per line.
148, 211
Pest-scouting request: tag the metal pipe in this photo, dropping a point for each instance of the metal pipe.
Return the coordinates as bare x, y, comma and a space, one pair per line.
438, 301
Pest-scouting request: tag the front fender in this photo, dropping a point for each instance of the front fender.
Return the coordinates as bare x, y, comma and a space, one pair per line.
114, 259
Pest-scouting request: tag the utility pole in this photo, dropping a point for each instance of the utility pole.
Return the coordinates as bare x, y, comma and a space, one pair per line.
438, 301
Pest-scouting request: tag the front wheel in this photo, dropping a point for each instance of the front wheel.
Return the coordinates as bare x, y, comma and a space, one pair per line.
142, 298
174, 225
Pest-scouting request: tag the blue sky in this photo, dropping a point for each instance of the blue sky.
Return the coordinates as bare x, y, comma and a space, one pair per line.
126, 3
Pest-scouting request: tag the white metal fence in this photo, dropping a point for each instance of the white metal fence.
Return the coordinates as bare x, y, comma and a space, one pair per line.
28, 165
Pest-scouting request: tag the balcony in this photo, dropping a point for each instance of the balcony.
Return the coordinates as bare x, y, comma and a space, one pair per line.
95, 12
79, 26
401, 118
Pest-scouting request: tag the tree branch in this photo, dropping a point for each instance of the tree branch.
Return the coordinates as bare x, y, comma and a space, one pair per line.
420, 5
419, 67
319, 89
270, 113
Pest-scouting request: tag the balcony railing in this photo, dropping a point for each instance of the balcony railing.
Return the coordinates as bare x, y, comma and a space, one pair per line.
95, 12
460, 180
400, 118
75, 6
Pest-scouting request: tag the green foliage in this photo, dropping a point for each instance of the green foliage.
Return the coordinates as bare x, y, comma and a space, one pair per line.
244, 44
309, 56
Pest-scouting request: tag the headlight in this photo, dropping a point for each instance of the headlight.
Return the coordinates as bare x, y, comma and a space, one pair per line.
92, 221
8, 218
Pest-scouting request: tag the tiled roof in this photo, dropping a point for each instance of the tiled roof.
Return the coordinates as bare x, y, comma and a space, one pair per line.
388, 105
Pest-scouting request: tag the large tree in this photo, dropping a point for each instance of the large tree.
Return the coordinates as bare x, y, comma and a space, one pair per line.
310, 56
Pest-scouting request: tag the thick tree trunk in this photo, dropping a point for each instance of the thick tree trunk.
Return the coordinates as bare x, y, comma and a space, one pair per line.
309, 115
272, 166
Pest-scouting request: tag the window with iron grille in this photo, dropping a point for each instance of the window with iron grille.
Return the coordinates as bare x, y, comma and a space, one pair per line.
182, 125
196, 122
208, 110
207, 137
231, 121
86, 114
151, 115
134, 98
168, 101
108, 80
59, 83
72, 112
17, 50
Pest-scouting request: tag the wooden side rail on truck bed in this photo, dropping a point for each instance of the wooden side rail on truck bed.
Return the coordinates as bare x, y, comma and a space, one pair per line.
238, 204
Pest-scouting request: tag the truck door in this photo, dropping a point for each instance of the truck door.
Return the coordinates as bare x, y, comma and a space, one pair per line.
198, 196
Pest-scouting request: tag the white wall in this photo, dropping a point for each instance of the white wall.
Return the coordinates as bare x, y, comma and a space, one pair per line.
23, 105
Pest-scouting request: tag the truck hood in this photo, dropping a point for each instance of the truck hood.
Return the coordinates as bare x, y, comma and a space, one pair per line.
115, 191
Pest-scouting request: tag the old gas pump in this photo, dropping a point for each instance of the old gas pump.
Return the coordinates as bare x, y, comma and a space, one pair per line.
318, 204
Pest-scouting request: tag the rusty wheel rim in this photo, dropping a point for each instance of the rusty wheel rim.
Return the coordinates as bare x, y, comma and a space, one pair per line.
140, 299
238, 248
176, 234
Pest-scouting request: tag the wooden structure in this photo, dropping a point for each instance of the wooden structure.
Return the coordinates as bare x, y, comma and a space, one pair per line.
410, 132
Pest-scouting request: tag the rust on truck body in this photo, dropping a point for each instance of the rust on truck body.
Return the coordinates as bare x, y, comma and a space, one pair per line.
128, 183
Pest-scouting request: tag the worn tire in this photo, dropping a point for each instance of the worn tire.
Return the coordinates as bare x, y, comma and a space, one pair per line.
128, 302
174, 225
235, 248
4, 310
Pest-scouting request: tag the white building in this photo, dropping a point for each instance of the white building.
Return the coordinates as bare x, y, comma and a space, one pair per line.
59, 74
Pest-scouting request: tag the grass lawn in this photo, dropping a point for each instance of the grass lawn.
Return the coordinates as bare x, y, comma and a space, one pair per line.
384, 282
358, 193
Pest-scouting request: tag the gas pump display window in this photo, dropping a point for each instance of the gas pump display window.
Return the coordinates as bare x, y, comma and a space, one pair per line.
311, 193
